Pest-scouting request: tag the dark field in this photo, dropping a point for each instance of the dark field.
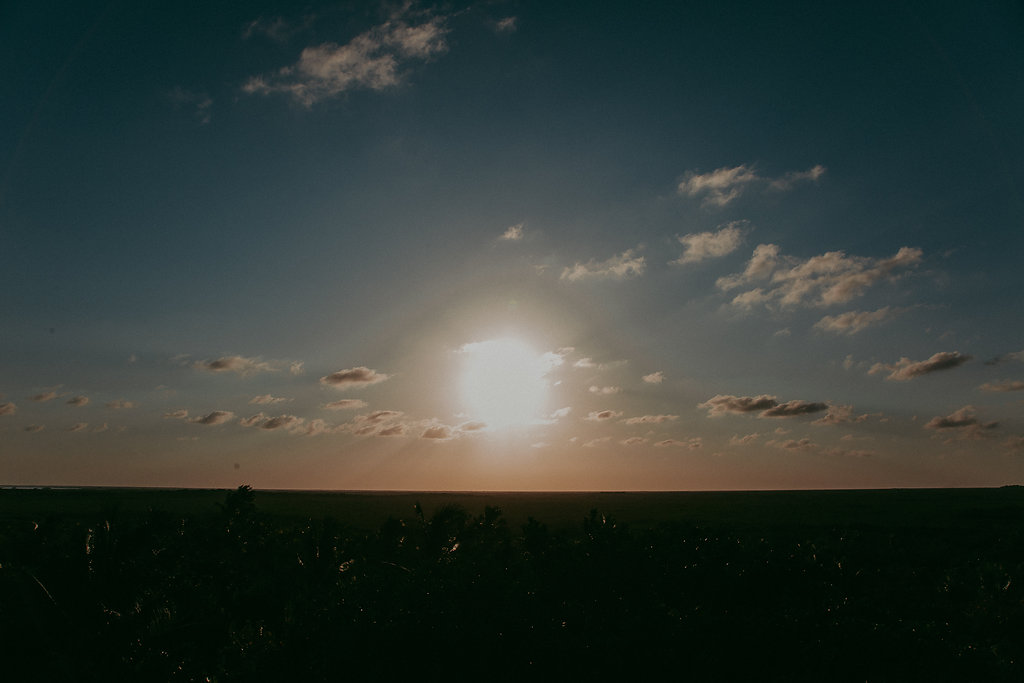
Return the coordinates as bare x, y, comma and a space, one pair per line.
153, 585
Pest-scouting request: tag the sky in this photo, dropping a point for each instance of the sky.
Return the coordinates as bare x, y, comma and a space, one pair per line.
512, 245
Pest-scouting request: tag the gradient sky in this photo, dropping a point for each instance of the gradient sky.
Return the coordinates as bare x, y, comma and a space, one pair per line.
745, 245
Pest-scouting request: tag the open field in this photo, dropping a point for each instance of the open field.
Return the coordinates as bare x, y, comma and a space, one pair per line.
951, 509
155, 585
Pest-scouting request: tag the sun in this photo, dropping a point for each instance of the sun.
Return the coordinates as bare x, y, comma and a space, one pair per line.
503, 383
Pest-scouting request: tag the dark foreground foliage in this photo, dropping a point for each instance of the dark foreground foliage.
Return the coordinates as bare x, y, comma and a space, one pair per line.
241, 596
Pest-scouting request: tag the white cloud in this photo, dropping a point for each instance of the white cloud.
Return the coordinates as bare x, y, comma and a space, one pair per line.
634, 441
704, 245
561, 412
514, 233
506, 25
604, 391
654, 378
723, 404
721, 186
905, 369
374, 60
824, 280
353, 377
625, 264
852, 322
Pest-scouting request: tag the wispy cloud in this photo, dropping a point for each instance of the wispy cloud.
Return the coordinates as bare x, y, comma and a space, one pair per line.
794, 409
654, 378
267, 399
650, 419
767, 406
8, 409
905, 369
180, 414
34, 428
438, 432
44, 396
604, 391
723, 185
78, 401
374, 60
346, 404
506, 25
120, 404
852, 322
78, 427
353, 377
199, 103
1015, 356
217, 417
724, 404
824, 280
705, 245
1005, 385
602, 415
514, 233
743, 440
692, 444
237, 364
626, 264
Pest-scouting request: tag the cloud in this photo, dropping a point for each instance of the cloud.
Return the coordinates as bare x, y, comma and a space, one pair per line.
654, 378
78, 401
252, 420
237, 364
794, 409
353, 377
34, 428
44, 397
282, 422
906, 369
602, 415
378, 416
795, 444
200, 103
120, 404
852, 322
650, 419
704, 245
561, 412
1005, 385
599, 441
604, 391
100, 428
514, 233
965, 417
179, 414
267, 399
277, 29
743, 440
824, 280
374, 60
842, 414
438, 432
721, 186
8, 409
1014, 444
393, 430
346, 404
723, 404
634, 441
692, 444
585, 363
78, 427
506, 25
625, 264
217, 417
1016, 355
472, 426
295, 368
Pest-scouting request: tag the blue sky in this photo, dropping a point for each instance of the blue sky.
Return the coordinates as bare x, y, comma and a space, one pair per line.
677, 246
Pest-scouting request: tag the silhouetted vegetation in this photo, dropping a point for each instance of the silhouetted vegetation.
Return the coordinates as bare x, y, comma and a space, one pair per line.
235, 594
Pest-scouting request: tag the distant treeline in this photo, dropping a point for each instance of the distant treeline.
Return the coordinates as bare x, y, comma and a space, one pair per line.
241, 595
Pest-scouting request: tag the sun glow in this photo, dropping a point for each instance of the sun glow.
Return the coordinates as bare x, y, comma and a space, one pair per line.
503, 383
